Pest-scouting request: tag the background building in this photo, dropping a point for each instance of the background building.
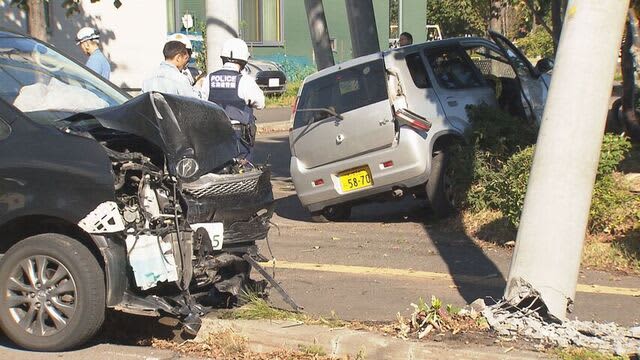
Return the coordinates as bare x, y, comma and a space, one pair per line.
133, 35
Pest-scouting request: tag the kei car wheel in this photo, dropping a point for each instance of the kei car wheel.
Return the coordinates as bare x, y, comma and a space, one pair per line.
440, 187
52, 293
332, 213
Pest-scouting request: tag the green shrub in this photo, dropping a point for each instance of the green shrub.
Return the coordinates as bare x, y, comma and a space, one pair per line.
496, 131
538, 43
492, 171
494, 136
613, 208
614, 150
511, 185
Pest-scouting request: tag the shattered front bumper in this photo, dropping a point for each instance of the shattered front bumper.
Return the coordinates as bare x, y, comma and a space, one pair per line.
242, 202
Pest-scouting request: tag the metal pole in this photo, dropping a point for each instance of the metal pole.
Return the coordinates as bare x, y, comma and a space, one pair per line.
551, 235
362, 26
222, 24
319, 32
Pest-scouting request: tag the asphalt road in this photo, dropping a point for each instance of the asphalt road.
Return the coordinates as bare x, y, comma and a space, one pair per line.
370, 268
391, 254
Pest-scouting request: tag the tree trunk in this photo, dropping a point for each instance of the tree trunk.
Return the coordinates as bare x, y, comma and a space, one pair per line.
37, 24
556, 21
630, 120
494, 23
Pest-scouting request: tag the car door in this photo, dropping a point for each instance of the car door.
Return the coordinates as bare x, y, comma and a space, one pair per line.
458, 83
343, 114
534, 88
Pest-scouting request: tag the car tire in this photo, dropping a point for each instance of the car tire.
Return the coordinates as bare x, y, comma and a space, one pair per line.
439, 187
57, 308
332, 213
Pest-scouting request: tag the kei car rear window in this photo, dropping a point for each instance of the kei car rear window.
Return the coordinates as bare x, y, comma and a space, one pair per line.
418, 71
342, 91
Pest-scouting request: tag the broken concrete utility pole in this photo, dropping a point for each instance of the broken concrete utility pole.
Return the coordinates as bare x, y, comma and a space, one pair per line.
319, 32
362, 26
222, 24
552, 229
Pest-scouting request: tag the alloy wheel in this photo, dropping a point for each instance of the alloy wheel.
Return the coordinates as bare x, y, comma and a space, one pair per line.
41, 295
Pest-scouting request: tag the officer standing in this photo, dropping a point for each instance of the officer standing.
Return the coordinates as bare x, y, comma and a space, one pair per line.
87, 38
237, 94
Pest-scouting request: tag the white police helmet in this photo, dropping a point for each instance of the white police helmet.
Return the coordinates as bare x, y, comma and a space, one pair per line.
181, 38
235, 49
87, 33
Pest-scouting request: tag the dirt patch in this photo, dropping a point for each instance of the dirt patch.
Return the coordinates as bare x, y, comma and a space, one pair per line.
229, 345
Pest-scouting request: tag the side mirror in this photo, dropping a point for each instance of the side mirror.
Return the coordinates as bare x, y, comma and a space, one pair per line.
544, 65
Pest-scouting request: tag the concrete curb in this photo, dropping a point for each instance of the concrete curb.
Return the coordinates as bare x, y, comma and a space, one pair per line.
269, 335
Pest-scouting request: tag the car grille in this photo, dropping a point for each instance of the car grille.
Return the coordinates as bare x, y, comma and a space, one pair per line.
223, 185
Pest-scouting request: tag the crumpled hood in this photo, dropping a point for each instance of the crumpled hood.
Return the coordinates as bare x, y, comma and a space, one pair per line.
195, 136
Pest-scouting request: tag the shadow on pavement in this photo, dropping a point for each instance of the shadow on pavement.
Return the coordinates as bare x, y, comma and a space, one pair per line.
473, 272
274, 150
123, 329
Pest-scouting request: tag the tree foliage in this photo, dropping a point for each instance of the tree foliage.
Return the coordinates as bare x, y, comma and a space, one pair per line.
72, 6
459, 17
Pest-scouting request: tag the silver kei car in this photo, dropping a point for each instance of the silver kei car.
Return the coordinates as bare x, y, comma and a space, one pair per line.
379, 126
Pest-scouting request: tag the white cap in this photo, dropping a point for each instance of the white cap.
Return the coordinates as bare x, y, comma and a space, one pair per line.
181, 38
87, 33
235, 49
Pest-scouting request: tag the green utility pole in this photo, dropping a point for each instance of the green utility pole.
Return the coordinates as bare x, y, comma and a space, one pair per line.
546, 260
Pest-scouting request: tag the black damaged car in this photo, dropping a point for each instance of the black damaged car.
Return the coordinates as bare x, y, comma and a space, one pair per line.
140, 205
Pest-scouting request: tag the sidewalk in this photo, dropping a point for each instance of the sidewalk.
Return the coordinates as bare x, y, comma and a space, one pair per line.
270, 335
273, 120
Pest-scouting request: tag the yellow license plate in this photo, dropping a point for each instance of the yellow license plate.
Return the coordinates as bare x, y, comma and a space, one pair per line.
355, 179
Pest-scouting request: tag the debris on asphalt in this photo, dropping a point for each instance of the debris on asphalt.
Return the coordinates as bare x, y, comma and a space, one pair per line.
531, 323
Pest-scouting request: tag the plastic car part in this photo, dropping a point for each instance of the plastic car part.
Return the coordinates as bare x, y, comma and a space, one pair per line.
105, 218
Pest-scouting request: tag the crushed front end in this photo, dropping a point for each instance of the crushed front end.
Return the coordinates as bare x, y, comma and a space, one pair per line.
187, 213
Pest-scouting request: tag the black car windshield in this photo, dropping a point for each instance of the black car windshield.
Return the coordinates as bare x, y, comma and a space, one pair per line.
47, 86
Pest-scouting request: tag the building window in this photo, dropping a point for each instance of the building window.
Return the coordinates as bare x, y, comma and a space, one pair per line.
176, 9
261, 21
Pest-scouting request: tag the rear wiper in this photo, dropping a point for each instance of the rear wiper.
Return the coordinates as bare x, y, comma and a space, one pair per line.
311, 120
324, 110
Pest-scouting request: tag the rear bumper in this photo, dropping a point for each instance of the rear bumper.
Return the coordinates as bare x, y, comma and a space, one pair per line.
411, 167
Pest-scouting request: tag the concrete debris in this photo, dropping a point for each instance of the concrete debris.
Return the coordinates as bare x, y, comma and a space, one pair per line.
478, 305
508, 320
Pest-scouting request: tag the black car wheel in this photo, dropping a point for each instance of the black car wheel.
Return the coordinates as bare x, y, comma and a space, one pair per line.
440, 187
52, 293
332, 213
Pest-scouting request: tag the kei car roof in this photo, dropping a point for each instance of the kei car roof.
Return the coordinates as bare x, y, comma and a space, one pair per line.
381, 54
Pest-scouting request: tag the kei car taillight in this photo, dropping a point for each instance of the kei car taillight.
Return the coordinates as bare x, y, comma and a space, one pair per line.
408, 117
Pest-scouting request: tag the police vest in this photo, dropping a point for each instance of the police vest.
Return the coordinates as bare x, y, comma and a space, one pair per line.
223, 90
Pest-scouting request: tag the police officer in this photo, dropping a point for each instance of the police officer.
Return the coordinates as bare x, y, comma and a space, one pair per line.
237, 94
87, 38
